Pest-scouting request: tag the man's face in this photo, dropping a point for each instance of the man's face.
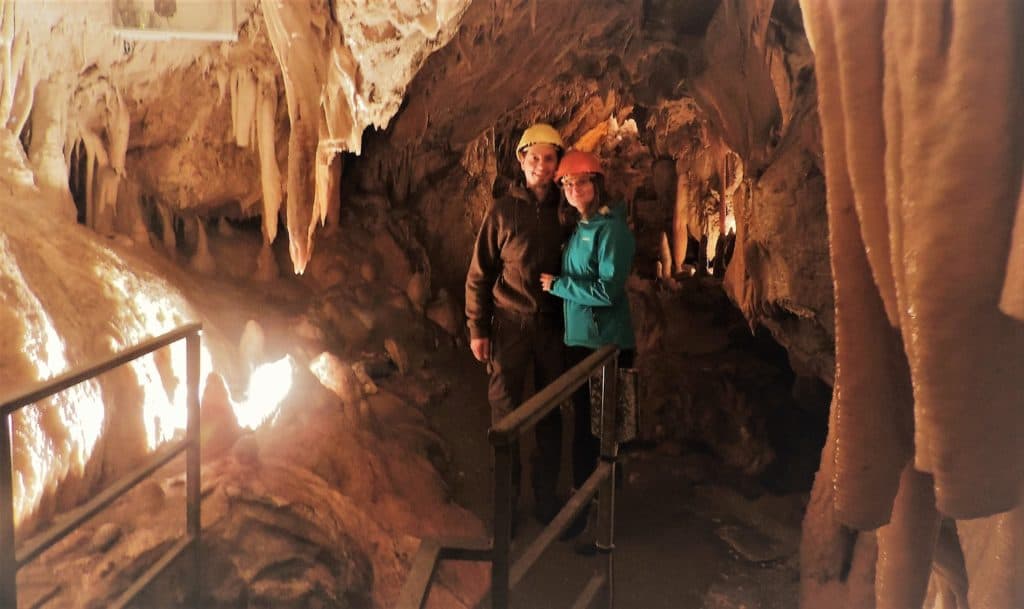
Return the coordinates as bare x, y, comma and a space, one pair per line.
539, 162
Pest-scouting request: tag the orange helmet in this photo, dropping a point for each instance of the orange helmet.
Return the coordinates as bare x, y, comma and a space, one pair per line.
577, 161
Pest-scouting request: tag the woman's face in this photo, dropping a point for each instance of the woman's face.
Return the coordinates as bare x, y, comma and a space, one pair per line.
580, 192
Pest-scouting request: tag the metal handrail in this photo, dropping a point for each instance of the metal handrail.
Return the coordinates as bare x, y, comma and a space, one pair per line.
547, 399
11, 560
501, 436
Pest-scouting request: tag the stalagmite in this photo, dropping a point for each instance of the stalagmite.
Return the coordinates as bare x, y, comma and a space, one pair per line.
266, 264
836, 564
737, 282
46, 152
418, 291
993, 550
251, 344
666, 258
139, 232
714, 232
680, 218
270, 175
203, 261
224, 228
105, 198
905, 544
1011, 300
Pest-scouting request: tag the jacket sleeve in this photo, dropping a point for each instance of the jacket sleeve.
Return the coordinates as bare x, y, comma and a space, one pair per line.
615, 250
484, 267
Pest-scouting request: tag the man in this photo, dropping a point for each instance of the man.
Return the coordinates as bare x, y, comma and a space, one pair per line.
513, 323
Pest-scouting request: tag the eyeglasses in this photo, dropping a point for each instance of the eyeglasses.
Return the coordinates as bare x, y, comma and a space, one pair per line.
579, 182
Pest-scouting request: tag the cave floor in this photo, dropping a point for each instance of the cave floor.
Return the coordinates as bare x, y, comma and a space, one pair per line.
689, 532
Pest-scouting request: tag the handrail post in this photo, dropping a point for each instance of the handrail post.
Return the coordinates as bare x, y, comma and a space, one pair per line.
502, 525
609, 453
192, 457
8, 561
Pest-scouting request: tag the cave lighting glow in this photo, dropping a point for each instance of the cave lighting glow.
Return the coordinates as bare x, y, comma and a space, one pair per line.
269, 384
58, 434
162, 380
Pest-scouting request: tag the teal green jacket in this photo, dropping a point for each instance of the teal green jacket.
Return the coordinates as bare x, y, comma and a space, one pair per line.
595, 264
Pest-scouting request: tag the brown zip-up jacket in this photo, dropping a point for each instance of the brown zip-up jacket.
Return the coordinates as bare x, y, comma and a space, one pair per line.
519, 239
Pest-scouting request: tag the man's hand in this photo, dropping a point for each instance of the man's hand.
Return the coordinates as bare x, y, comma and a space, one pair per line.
481, 348
546, 280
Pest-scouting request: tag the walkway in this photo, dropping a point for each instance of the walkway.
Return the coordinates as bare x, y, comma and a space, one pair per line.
689, 534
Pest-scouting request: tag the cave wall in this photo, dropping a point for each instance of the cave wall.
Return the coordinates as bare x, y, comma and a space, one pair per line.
706, 112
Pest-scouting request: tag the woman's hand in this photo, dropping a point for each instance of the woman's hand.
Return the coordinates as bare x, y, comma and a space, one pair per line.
546, 280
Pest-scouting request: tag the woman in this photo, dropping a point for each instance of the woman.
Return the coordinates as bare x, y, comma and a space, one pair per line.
595, 264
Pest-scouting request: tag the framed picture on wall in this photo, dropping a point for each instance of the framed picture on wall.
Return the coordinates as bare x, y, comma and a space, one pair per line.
175, 19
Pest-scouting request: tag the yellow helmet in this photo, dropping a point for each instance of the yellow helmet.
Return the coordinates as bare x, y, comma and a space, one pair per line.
539, 133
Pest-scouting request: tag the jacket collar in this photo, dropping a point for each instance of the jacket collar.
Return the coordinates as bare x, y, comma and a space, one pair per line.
519, 191
605, 212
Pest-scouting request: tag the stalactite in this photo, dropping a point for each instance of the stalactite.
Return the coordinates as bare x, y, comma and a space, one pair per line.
167, 236
118, 128
96, 156
243, 105
859, 80
333, 199
7, 35
942, 144
873, 395
223, 78
322, 183
270, 175
301, 56
24, 92
339, 99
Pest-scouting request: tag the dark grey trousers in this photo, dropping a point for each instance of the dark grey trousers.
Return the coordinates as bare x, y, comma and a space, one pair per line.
519, 344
